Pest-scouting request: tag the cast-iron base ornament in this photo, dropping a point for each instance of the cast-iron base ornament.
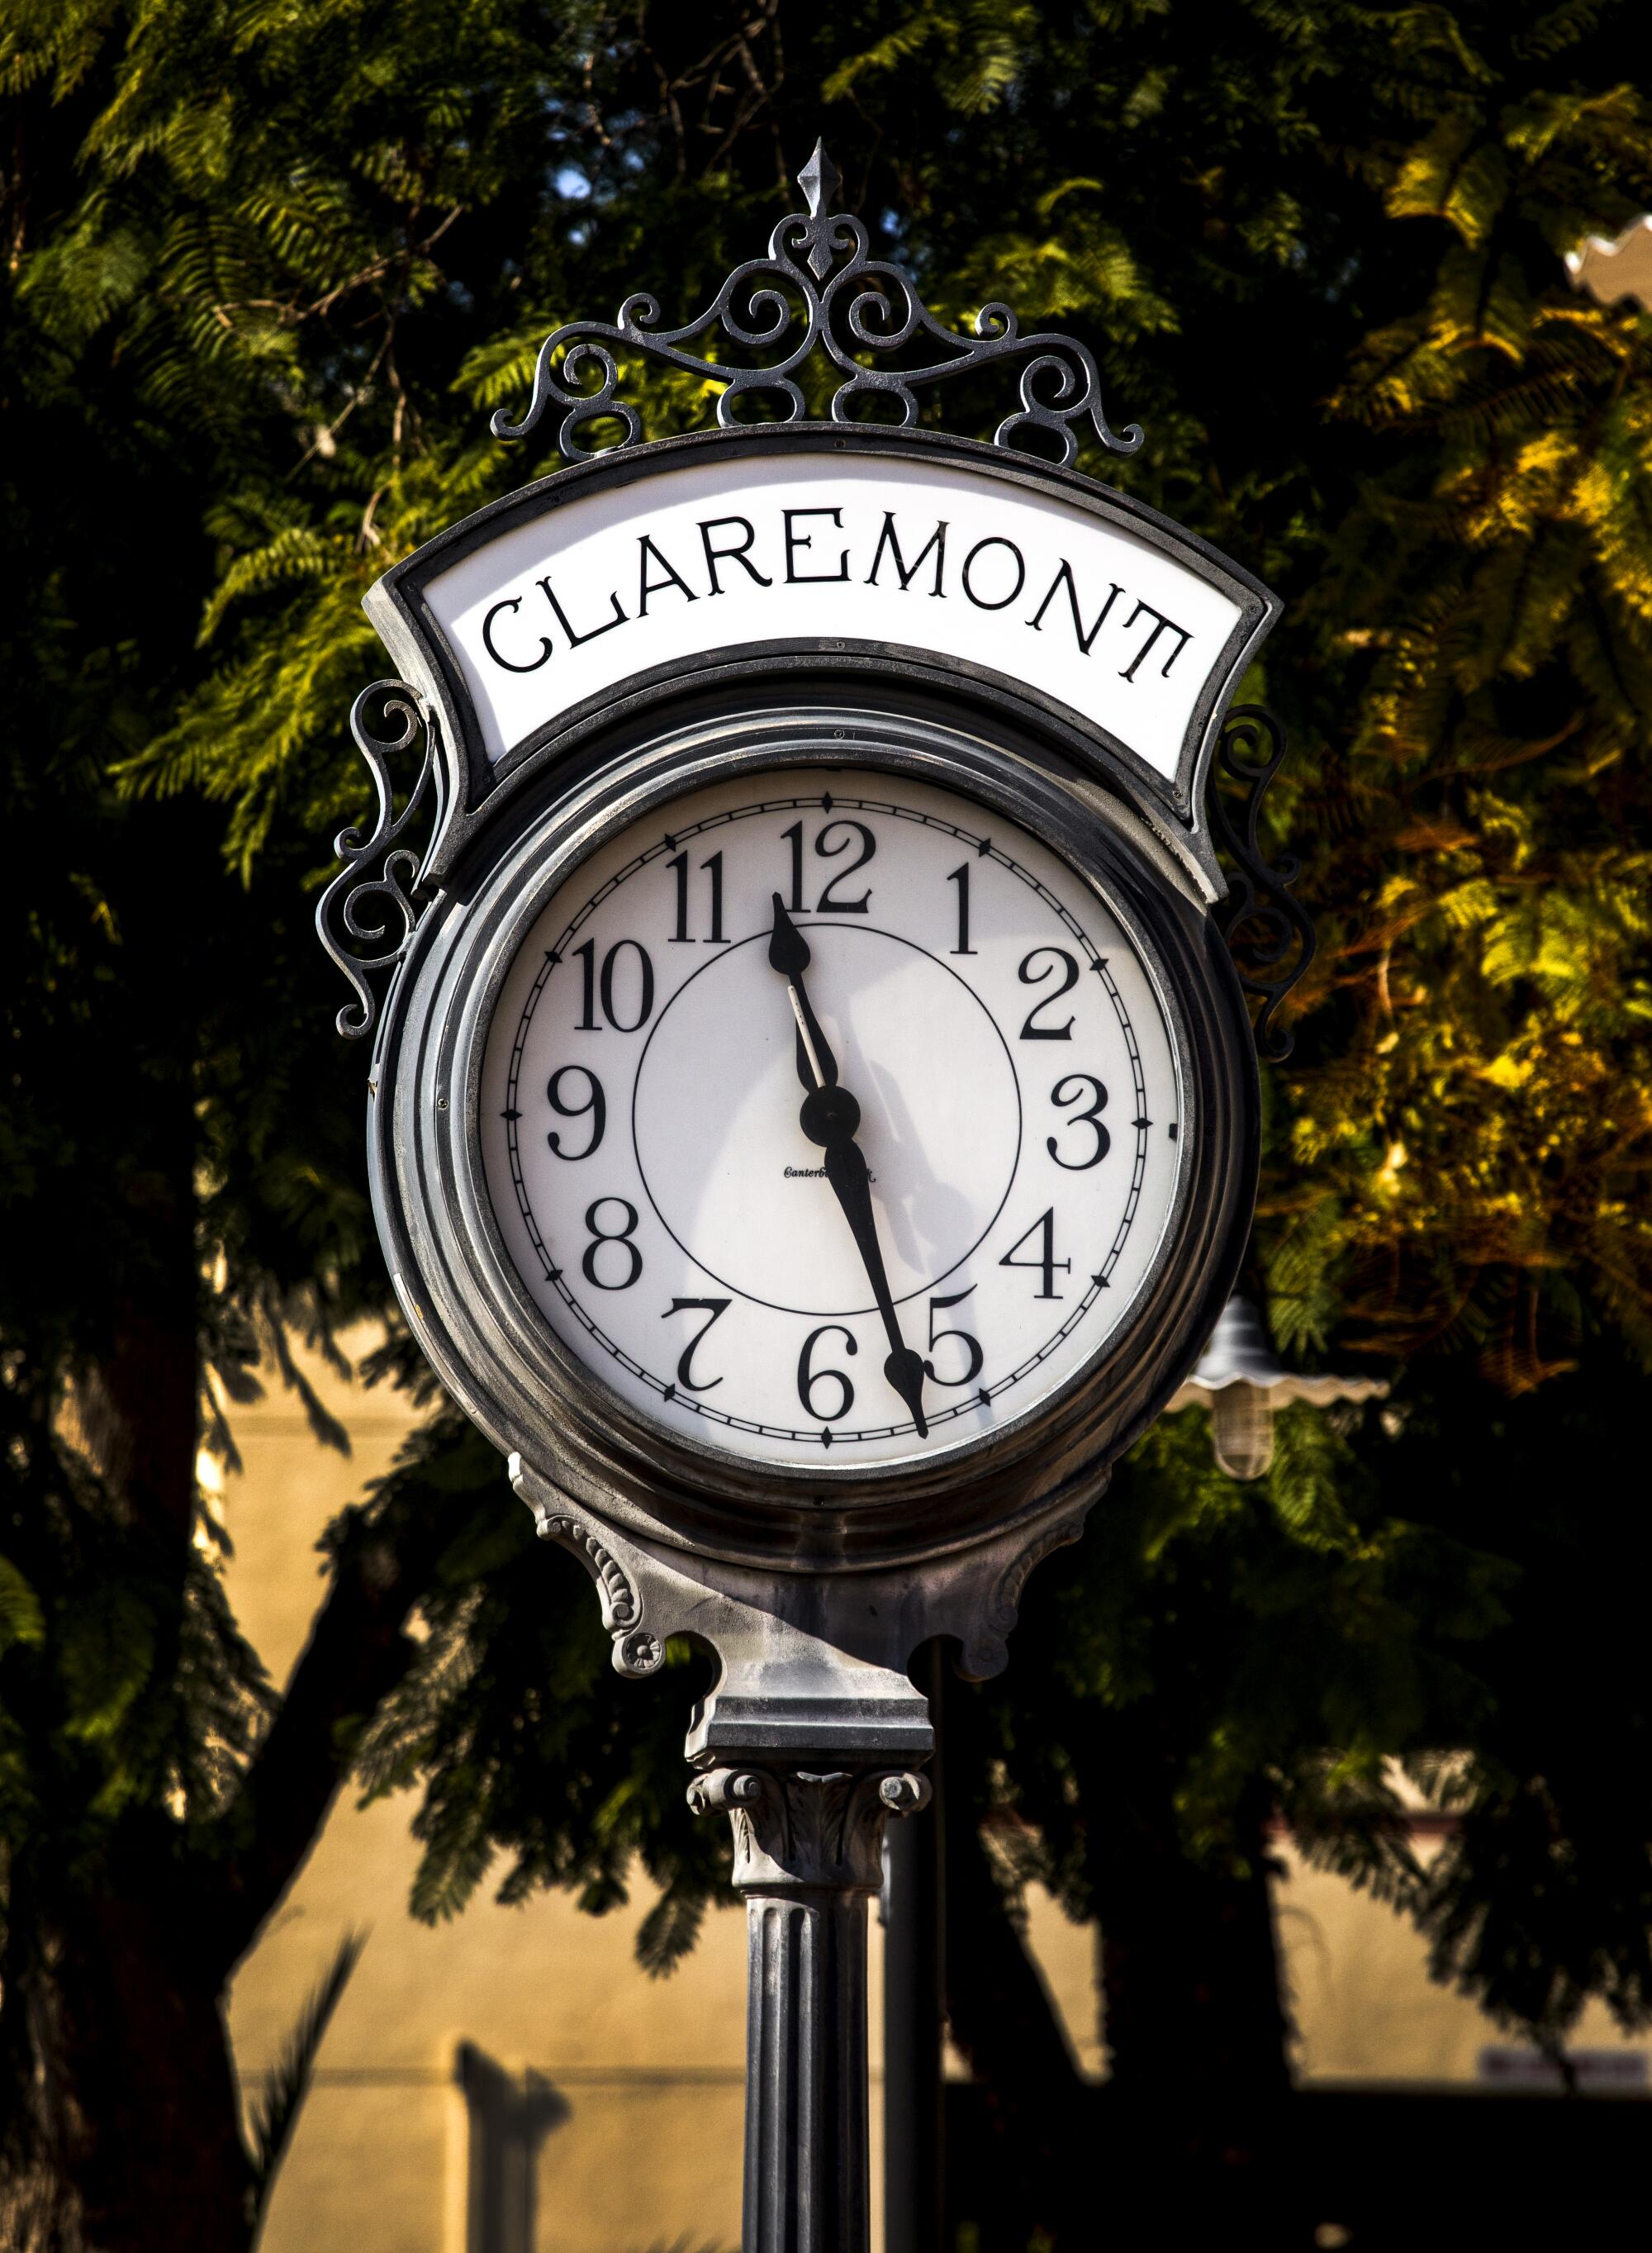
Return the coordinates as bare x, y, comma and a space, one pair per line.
814, 1120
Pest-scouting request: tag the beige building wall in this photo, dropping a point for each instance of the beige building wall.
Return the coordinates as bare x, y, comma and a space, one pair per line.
640, 2147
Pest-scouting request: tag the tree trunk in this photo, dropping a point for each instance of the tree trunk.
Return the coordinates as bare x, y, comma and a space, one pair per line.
1002, 2020
123, 1969
1188, 2136
1195, 2030
154, 2147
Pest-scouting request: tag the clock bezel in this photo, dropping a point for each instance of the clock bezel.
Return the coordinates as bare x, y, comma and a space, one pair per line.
496, 1351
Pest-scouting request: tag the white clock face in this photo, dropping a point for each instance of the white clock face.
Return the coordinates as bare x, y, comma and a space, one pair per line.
830, 1118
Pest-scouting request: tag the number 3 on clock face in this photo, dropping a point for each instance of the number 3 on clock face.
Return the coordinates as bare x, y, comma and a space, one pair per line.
830, 1118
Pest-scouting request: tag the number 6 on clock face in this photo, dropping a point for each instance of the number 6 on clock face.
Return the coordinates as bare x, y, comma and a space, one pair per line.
827, 1116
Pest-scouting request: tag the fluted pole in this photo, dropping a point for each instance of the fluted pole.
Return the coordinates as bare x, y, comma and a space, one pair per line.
808, 1857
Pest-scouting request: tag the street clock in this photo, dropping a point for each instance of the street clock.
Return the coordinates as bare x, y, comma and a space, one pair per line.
814, 1117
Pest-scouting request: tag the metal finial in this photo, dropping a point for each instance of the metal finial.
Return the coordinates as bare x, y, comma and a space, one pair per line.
820, 180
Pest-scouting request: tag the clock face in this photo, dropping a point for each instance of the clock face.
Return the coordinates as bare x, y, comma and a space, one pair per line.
830, 1118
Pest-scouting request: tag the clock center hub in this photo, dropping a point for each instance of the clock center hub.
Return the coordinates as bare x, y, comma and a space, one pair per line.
830, 1114
731, 1165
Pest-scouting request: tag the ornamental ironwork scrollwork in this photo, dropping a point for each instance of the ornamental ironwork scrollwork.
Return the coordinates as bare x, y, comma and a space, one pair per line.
986, 1652
365, 917
637, 1651
1270, 932
800, 300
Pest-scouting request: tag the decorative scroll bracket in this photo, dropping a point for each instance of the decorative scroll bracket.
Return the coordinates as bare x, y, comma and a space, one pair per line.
811, 1667
866, 306
380, 874
1269, 930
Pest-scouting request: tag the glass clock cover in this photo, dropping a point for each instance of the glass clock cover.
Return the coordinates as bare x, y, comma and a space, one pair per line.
830, 1118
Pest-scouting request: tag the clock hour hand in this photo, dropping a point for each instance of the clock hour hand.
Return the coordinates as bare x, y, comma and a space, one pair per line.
789, 955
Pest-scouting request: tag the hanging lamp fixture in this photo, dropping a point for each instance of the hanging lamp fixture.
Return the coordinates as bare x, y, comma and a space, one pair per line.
1241, 1384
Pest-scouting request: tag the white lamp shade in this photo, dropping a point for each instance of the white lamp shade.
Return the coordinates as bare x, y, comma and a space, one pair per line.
1243, 1385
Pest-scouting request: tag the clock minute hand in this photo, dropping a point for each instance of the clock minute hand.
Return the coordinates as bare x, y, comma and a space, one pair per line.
846, 1169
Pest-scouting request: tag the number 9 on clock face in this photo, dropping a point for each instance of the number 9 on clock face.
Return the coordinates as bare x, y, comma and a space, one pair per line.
829, 1118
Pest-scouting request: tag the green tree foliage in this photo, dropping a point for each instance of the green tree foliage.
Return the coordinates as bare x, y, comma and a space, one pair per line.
269, 270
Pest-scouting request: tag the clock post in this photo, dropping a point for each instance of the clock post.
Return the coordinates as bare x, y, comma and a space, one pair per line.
808, 1856
812, 1738
813, 1110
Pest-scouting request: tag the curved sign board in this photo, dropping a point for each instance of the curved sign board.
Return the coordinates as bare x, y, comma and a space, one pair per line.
537, 616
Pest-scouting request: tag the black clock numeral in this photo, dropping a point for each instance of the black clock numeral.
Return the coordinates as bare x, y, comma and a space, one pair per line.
595, 1107
845, 833
826, 904
714, 869
972, 1346
600, 984
1059, 961
601, 1235
1046, 1263
960, 877
1069, 1091
713, 1309
808, 1378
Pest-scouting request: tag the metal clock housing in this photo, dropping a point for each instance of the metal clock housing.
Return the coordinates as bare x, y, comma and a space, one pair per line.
466, 1299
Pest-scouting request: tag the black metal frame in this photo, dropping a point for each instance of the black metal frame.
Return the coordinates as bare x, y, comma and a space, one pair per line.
1268, 928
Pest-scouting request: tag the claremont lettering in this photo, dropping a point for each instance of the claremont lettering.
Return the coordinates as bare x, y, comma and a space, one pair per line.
522, 632
586, 590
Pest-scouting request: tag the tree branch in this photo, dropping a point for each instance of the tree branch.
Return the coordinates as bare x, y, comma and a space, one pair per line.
387, 1557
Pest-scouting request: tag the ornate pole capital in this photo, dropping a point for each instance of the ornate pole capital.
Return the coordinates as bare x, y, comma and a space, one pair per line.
798, 1829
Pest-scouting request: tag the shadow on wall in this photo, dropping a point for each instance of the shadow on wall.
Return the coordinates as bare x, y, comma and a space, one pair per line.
508, 2119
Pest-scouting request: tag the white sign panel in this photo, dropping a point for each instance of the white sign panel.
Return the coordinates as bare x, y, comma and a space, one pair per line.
712, 556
